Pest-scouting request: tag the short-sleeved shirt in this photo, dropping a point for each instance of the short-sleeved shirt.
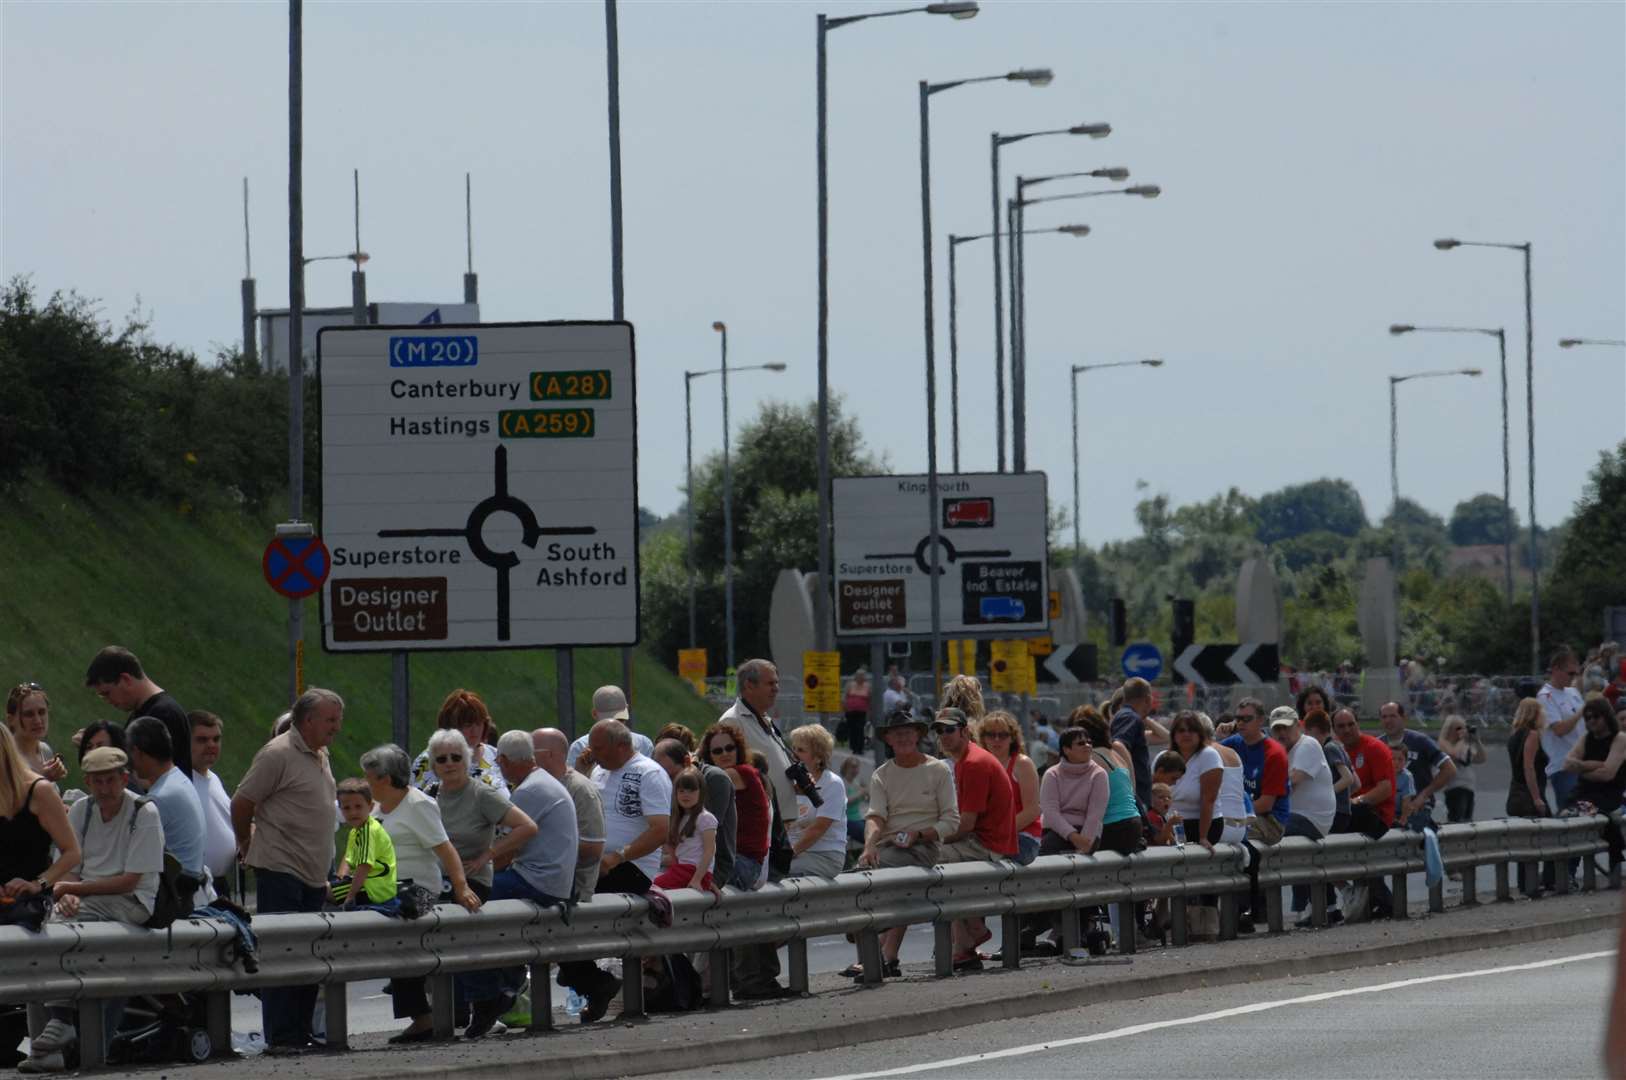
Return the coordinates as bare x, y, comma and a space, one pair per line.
692, 847
834, 837
1557, 705
483, 771
121, 846
548, 859
170, 712
220, 848
1423, 758
185, 832
370, 845
638, 790
640, 743
916, 798
589, 828
1334, 752
984, 789
1264, 772
292, 789
416, 830
1312, 796
470, 815
1129, 729
1373, 764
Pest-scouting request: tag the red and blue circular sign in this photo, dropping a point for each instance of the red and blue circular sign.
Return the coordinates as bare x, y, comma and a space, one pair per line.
296, 567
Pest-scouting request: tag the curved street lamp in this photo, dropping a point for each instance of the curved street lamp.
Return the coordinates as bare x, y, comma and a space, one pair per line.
1079, 369
1394, 462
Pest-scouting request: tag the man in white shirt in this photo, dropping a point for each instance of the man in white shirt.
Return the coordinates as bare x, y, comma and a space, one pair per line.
220, 844
1310, 779
1561, 702
637, 798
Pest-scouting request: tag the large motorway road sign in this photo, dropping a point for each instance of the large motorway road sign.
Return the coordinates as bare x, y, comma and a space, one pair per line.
991, 554
479, 486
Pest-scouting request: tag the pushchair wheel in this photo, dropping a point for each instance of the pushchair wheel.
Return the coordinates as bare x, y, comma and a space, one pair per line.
194, 1045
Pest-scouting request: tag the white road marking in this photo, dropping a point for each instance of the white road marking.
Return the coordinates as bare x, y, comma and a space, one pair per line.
1222, 1014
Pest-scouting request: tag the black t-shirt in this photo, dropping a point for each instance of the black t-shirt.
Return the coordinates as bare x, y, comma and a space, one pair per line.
170, 712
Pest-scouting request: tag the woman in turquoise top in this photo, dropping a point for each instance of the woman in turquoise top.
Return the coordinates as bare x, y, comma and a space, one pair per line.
857, 799
1121, 827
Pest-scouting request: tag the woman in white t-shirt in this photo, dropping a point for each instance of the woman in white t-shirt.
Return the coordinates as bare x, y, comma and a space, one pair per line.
1208, 818
818, 836
691, 836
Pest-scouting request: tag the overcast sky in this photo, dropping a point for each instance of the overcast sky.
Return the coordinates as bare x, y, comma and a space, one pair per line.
1308, 153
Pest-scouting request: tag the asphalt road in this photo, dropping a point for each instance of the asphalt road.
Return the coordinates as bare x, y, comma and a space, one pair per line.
370, 1007
1466, 1016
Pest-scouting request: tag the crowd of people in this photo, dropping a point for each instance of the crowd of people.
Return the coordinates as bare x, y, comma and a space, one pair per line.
527, 814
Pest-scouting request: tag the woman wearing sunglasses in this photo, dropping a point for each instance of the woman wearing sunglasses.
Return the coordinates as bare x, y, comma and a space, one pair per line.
723, 745
464, 712
1000, 735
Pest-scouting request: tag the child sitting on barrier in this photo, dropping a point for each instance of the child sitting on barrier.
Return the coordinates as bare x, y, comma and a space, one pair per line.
691, 838
1161, 820
1405, 785
366, 876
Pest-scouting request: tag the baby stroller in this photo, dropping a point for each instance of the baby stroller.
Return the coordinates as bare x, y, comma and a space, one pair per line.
168, 1027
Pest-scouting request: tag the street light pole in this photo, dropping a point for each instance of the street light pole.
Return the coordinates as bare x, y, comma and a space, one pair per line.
1507, 468
728, 516
1447, 244
688, 472
1033, 77
296, 324
1394, 465
821, 596
1079, 369
995, 142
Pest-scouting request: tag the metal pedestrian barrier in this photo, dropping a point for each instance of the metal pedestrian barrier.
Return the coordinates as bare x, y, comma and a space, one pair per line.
89, 963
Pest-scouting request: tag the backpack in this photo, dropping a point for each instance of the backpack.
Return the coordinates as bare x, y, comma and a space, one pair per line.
176, 887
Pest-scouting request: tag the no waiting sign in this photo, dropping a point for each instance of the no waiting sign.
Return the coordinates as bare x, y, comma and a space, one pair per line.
479, 486
992, 555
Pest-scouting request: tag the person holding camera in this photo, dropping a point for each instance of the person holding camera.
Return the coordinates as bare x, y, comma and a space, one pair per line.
1459, 741
818, 836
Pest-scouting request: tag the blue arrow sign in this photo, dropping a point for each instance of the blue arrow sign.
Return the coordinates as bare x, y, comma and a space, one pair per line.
1142, 660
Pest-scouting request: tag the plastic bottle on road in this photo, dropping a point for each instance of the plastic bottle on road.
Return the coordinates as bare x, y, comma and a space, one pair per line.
574, 1002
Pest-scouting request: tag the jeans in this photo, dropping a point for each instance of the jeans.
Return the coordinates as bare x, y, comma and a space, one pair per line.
1299, 825
746, 872
285, 1011
1563, 787
1459, 805
476, 986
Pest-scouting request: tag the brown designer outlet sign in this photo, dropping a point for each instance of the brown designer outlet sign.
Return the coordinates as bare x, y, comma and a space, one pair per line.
389, 609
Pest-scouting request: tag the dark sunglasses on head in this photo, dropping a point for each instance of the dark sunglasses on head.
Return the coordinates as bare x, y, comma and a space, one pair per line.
442, 759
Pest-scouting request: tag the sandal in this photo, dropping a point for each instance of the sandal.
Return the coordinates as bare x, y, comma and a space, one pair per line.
852, 971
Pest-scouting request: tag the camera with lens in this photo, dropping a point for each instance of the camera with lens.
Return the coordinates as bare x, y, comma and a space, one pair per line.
798, 774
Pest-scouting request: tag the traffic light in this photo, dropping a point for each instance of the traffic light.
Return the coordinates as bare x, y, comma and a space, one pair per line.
1185, 625
1119, 629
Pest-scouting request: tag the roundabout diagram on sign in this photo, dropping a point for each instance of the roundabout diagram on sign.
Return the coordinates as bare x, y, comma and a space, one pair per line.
498, 502
951, 554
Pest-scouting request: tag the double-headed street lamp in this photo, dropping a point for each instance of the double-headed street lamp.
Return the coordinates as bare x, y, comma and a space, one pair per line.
1394, 460
1019, 359
1449, 244
1507, 482
728, 492
1033, 77
1079, 369
954, 243
996, 141
1572, 342
821, 596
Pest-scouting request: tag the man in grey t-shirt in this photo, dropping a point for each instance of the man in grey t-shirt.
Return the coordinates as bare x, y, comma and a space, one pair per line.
551, 747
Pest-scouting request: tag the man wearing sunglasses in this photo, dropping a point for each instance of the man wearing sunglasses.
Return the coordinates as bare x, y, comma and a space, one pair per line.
987, 828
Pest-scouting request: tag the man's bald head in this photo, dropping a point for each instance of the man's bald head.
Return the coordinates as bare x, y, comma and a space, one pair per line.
551, 747
611, 743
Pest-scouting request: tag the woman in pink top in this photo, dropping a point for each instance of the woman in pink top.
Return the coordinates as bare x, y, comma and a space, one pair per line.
1000, 735
1073, 798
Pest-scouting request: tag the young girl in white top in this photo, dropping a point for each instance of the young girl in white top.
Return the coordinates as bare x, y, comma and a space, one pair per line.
691, 836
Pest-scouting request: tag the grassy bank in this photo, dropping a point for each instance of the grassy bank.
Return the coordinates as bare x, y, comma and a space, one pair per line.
185, 593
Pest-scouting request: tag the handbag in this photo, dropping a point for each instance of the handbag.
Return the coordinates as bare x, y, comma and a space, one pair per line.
26, 911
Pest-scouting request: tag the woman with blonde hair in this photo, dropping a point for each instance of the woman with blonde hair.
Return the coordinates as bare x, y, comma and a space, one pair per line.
28, 715
32, 819
1528, 762
1461, 744
964, 692
1000, 735
818, 837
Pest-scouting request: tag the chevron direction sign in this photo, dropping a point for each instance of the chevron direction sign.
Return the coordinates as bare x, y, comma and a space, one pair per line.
1206, 665
1068, 664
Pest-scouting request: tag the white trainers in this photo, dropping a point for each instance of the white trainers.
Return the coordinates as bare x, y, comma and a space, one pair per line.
56, 1035
43, 1062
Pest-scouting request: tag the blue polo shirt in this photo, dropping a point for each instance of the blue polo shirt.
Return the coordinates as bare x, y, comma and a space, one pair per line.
1253, 767
186, 833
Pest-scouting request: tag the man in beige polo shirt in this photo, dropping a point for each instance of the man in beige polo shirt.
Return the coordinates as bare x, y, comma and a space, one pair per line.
283, 815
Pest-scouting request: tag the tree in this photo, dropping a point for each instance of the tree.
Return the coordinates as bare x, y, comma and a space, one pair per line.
1331, 505
1590, 572
1482, 519
775, 516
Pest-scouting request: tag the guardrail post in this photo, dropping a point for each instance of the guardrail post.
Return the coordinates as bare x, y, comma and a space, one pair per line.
1589, 873
36, 1018
869, 955
1010, 940
1069, 929
1436, 898
541, 974
1614, 871
1273, 908
1530, 879
1318, 905
1470, 886
1128, 927
441, 1013
335, 995
1397, 889
632, 987
1179, 931
92, 1034
796, 951
942, 949
217, 1014
1227, 916
1504, 886
1561, 877
719, 978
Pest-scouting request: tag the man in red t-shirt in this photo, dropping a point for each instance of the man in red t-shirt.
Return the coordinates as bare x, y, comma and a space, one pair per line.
987, 828
1372, 806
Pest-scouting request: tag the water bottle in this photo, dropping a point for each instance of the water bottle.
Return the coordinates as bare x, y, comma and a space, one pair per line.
574, 1002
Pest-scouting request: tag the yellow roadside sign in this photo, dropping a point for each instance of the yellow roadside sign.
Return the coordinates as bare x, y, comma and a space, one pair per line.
692, 668
1013, 667
1055, 603
821, 682
1041, 646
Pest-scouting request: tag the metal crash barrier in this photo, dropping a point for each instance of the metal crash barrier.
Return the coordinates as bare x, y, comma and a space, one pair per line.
89, 963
